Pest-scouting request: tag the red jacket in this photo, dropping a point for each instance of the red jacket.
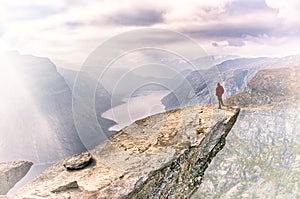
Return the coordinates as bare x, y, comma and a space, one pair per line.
219, 91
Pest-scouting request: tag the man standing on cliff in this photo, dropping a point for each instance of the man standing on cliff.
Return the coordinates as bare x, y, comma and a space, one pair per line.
219, 93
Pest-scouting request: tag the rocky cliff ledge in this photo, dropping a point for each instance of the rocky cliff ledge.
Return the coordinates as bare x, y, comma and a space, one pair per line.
161, 156
11, 173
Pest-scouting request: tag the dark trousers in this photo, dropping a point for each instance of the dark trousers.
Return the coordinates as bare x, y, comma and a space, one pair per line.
220, 101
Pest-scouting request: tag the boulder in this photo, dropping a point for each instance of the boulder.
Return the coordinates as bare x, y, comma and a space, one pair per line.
78, 161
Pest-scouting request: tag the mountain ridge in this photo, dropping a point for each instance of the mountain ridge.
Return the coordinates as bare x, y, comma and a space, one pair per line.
234, 79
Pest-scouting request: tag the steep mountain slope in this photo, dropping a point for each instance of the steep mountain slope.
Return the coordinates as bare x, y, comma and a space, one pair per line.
102, 97
36, 112
163, 155
262, 154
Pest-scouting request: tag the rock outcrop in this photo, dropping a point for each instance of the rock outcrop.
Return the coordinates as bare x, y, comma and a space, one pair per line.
164, 155
270, 86
11, 173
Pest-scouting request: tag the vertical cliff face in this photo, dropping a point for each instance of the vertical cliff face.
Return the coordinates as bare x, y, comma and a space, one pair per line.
164, 155
11, 173
36, 107
180, 177
102, 97
261, 157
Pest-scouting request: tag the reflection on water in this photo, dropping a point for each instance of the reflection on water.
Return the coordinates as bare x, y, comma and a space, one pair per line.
137, 107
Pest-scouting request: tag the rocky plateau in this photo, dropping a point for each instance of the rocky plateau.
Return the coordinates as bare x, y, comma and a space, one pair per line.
161, 156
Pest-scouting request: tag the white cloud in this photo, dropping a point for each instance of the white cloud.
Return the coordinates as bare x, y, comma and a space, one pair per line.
69, 30
287, 9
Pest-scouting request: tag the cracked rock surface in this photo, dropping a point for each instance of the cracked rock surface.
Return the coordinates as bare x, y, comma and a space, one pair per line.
78, 161
164, 155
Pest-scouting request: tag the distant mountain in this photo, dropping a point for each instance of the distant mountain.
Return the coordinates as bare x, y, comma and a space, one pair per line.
242, 63
234, 75
269, 86
218, 59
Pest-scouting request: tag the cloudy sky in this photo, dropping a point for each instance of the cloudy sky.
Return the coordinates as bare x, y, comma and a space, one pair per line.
67, 31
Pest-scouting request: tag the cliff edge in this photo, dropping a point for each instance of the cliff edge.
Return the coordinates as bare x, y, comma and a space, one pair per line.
164, 155
11, 173
261, 158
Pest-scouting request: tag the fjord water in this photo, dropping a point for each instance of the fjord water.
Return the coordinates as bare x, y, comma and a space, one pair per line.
137, 107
